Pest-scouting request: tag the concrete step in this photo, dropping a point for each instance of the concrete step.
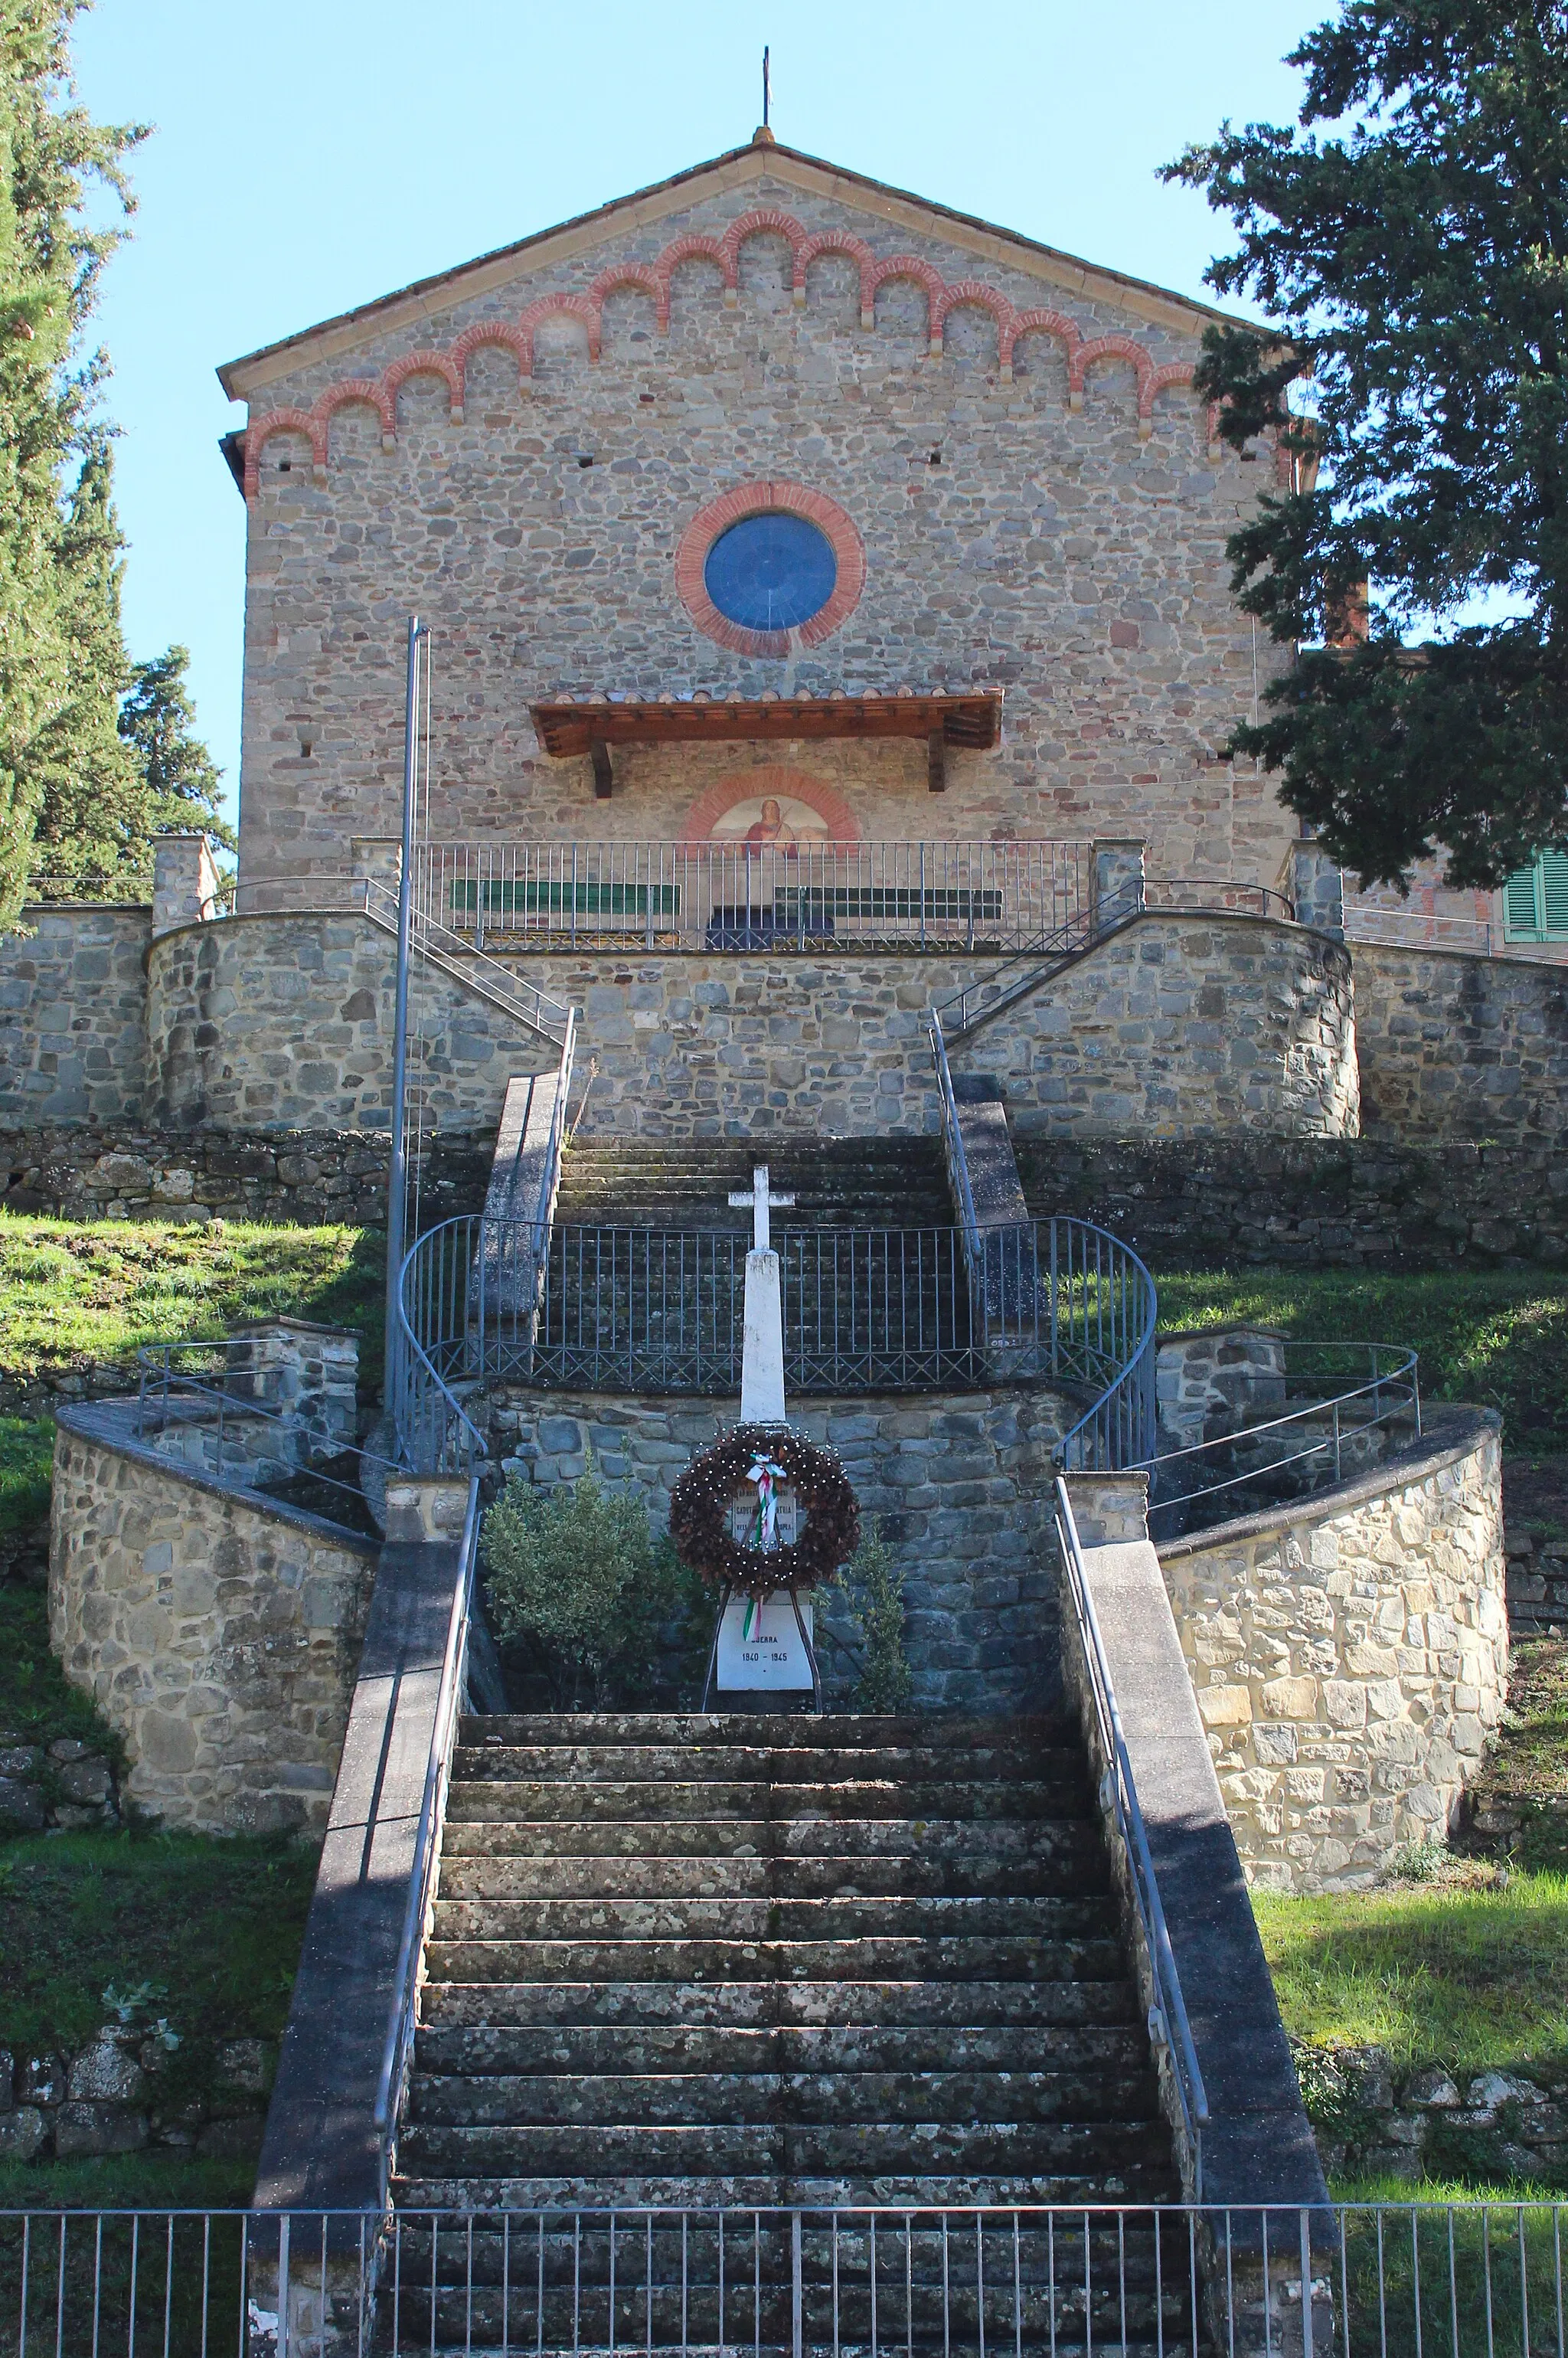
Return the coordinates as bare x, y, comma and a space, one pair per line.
511, 1799
1004, 1958
897, 2189
860, 1731
821, 1843
778, 1921
1066, 1859
864, 1183
951, 2008
482, 2048
779, 1764
818, 2099
776, 2148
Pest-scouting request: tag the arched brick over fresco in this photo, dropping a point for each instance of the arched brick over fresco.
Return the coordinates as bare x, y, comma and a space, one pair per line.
775, 778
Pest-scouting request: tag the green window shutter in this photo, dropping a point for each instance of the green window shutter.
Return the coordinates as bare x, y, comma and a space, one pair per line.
1553, 866
1521, 921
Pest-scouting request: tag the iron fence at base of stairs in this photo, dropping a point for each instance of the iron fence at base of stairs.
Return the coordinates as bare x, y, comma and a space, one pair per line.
1407, 2280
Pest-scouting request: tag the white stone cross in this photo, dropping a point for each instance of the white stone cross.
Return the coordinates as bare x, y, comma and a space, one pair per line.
762, 1200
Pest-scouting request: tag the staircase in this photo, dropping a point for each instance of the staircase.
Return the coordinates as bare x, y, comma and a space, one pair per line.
765, 1960
865, 1183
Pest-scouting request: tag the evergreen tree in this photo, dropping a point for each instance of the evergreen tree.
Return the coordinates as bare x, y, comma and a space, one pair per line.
1408, 245
61, 659
157, 720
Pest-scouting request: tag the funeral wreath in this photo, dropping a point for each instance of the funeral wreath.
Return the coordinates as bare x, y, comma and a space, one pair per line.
764, 1457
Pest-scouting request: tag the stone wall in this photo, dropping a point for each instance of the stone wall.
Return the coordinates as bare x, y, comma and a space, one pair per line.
311, 1178
269, 1024
1350, 1657
218, 1634
112, 2096
1486, 2126
1181, 1026
960, 1485
73, 1013
1018, 531
1339, 1203
1456, 1046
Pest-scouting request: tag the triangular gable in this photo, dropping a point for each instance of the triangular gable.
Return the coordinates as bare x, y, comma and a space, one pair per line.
425, 301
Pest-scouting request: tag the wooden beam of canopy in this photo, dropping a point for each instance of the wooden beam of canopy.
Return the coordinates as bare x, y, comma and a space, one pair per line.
971, 722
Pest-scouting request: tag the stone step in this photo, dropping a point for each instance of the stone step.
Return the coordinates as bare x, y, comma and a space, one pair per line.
820, 1841
779, 1764
1069, 1859
1150, 2183
953, 2008
778, 1921
766, 2149
867, 1731
617, 2047
513, 1800
799, 2099
1002, 1958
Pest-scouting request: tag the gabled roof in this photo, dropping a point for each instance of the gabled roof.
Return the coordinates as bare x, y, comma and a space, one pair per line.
426, 299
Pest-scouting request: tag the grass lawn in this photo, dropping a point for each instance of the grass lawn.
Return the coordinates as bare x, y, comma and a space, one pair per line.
1496, 1337
1473, 1977
74, 1294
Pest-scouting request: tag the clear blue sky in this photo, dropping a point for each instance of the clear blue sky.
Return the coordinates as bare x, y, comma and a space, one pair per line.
317, 153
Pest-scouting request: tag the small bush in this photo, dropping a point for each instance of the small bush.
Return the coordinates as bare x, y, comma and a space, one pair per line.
579, 1581
873, 1591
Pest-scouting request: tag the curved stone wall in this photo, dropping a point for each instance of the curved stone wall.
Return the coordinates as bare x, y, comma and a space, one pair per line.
1180, 1027
1349, 1656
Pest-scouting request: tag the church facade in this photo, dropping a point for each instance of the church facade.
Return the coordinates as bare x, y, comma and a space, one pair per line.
975, 466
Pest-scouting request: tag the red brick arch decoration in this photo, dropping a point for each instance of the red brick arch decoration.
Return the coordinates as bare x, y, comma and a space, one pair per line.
770, 778
654, 279
755, 499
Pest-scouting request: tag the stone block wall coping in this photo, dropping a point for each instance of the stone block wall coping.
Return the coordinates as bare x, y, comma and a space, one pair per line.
275, 1325
109, 1423
1219, 1334
1451, 1433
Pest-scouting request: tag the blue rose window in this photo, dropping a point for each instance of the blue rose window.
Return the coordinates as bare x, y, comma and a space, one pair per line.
771, 572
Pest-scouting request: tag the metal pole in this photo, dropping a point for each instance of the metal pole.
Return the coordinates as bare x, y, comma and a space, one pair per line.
397, 1174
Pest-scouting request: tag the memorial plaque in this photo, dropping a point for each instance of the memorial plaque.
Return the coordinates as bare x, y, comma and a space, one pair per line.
760, 1643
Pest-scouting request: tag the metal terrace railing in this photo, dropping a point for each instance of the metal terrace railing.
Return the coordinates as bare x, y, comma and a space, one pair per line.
753, 896
648, 1310
1454, 2280
1355, 1395
204, 1402
1411, 928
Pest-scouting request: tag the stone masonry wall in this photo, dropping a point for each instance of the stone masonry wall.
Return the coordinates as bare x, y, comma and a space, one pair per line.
1456, 1046
73, 999
1349, 1656
1018, 532
219, 1635
1341, 1203
1180, 1026
270, 1024
960, 1485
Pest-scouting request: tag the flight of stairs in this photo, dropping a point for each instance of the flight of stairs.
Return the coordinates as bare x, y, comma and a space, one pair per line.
860, 1183
764, 1959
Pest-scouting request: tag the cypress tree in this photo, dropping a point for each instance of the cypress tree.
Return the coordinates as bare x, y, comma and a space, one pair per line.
63, 661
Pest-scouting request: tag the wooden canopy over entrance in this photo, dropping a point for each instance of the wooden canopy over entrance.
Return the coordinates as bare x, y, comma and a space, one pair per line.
972, 723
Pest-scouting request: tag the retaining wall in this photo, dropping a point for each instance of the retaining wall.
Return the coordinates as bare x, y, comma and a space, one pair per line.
218, 1634
73, 1034
1349, 1656
960, 1485
1180, 1027
1453, 1047
1342, 1202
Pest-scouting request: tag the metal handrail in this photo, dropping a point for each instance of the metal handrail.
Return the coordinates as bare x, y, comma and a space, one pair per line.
1402, 1381
1171, 2006
1156, 887
169, 1387
1080, 934
405, 1979
953, 1143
